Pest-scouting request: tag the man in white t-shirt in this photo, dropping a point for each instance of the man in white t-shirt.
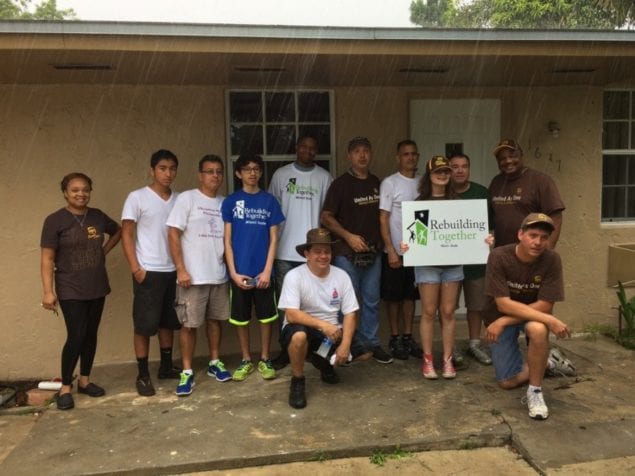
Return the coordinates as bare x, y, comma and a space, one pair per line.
398, 287
300, 187
314, 295
195, 236
145, 243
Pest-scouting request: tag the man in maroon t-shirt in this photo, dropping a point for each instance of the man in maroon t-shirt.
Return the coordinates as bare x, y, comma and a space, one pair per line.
523, 282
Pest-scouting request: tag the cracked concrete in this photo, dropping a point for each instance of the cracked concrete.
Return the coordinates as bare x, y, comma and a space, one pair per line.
233, 425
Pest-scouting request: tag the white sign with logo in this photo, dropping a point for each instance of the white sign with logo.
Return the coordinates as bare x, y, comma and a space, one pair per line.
445, 232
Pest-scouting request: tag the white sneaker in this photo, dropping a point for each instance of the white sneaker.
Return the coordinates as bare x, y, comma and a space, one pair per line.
558, 365
536, 403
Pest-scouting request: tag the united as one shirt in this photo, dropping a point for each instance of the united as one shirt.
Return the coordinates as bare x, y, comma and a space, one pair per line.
199, 218
251, 216
507, 276
512, 199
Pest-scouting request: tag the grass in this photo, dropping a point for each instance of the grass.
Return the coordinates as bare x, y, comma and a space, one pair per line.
378, 457
468, 445
319, 456
626, 339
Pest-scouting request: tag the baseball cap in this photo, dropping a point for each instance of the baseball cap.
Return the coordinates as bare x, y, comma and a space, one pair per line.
509, 144
537, 218
438, 162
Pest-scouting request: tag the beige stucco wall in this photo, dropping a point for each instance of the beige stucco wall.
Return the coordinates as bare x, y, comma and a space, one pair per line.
109, 132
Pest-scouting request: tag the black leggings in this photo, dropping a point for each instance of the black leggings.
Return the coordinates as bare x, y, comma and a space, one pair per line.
82, 322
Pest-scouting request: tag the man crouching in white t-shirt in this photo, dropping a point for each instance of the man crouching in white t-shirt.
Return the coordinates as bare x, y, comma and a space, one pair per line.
313, 297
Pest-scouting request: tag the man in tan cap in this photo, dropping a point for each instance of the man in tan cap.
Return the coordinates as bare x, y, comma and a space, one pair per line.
313, 296
523, 282
518, 191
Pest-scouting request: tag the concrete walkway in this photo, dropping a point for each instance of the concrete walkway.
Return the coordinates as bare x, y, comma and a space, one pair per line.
375, 407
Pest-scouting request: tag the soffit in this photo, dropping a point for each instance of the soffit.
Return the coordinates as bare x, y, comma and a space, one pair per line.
354, 58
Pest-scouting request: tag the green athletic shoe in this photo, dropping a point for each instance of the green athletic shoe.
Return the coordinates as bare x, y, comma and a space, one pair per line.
265, 367
244, 369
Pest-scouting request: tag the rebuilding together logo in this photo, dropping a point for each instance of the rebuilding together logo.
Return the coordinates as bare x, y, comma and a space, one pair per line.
423, 229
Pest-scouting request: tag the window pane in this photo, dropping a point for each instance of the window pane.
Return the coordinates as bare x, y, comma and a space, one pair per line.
631, 170
245, 107
325, 164
615, 135
246, 139
322, 133
616, 104
630, 202
453, 148
613, 202
280, 140
614, 170
314, 107
280, 107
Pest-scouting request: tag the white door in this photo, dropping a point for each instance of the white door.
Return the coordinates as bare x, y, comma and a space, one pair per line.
440, 125
471, 125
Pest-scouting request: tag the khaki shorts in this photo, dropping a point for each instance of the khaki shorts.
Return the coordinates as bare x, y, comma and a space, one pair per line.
474, 292
200, 302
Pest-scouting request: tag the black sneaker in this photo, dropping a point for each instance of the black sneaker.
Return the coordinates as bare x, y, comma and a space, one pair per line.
397, 348
144, 386
413, 348
381, 356
281, 361
65, 401
297, 398
173, 373
91, 390
327, 372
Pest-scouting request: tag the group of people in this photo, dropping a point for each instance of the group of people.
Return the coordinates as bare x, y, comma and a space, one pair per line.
316, 255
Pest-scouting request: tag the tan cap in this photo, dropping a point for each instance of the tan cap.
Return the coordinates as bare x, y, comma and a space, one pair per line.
535, 218
438, 162
509, 144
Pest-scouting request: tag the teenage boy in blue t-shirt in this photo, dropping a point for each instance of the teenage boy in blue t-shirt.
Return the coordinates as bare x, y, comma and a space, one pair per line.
251, 218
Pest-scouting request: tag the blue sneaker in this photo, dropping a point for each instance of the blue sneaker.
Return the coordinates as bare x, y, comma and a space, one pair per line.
186, 384
219, 371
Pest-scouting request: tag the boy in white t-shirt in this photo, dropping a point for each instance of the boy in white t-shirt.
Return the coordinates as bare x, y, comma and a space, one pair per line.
313, 297
145, 243
195, 236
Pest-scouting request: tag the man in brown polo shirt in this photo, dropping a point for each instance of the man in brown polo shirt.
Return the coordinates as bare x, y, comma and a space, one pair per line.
523, 282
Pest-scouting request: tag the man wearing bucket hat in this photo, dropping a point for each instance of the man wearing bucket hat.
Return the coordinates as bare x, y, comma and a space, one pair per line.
523, 282
313, 296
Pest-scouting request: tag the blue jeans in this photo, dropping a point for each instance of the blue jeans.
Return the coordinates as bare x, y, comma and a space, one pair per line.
366, 281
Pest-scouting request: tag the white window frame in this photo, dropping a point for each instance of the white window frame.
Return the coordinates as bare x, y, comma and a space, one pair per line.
630, 120
231, 158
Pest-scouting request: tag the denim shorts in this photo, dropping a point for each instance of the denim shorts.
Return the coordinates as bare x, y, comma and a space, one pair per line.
506, 355
438, 274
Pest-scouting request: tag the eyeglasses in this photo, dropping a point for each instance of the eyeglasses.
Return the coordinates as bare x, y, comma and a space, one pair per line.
250, 169
211, 172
